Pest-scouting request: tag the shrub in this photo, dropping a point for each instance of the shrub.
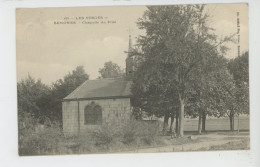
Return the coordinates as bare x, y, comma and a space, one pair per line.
43, 142
41, 139
136, 130
129, 137
38, 139
106, 134
131, 133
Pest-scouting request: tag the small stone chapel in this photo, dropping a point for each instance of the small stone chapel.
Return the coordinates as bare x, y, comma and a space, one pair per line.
100, 101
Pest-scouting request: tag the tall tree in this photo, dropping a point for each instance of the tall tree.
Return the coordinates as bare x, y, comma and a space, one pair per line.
151, 97
111, 70
201, 99
178, 40
225, 92
239, 68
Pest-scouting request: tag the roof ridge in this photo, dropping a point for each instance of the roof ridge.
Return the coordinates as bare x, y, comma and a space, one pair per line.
102, 79
77, 89
106, 87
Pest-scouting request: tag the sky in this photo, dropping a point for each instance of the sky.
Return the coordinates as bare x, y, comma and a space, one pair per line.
49, 51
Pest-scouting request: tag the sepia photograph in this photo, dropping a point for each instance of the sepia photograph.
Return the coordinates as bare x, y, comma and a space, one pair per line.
132, 79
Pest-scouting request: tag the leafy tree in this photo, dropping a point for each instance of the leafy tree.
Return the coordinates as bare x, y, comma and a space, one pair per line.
150, 96
229, 93
72, 80
225, 91
201, 99
111, 70
40, 102
154, 96
239, 68
63, 87
178, 41
30, 93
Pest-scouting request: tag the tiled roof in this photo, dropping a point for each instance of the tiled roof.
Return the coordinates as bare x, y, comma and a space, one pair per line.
101, 88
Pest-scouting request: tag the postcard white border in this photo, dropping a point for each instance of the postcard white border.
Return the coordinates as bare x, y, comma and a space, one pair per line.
8, 121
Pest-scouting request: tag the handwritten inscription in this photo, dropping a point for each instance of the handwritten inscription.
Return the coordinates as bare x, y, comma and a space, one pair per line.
85, 20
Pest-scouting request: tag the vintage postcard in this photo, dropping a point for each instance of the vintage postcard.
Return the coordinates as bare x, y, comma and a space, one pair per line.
132, 79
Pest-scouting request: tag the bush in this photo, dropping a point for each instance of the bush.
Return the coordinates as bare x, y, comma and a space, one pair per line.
41, 139
106, 134
129, 137
38, 139
132, 133
44, 142
140, 130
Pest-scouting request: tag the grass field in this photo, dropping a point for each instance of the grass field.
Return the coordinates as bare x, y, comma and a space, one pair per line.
216, 124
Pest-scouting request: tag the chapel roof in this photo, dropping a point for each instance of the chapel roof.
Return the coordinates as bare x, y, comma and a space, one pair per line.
101, 88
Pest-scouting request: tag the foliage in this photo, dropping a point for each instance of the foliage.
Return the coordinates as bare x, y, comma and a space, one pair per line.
151, 98
146, 131
224, 94
239, 68
36, 138
72, 80
177, 44
45, 140
203, 97
111, 70
40, 101
49, 140
63, 87
30, 94
132, 132
106, 134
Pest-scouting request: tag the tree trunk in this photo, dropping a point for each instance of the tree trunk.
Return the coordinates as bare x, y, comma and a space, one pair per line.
181, 115
203, 121
231, 119
238, 123
165, 122
199, 125
233, 122
177, 123
172, 120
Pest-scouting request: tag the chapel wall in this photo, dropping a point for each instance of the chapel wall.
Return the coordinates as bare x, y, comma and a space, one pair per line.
114, 111
70, 117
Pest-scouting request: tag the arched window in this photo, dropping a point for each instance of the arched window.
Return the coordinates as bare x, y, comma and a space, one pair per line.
93, 114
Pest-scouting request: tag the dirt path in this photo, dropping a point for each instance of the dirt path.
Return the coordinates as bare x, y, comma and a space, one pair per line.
204, 142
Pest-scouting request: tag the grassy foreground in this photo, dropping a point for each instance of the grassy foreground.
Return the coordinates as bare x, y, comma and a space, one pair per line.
111, 138
108, 138
243, 144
